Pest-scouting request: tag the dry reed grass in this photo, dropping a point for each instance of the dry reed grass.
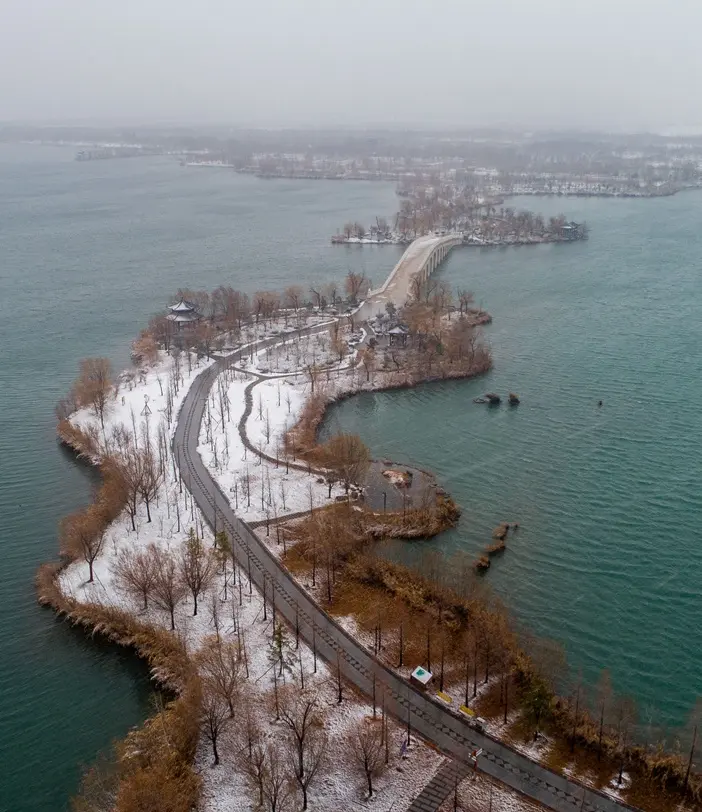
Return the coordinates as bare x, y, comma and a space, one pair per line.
153, 767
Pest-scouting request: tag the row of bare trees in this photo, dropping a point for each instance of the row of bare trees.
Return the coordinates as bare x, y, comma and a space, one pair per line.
164, 576
283, 765
380, 230
447, 621
226, 310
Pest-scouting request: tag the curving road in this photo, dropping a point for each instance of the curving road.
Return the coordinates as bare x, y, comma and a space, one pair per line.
425, 714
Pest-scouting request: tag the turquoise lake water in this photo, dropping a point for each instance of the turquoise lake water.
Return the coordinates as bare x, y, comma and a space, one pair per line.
87, 252
608, 558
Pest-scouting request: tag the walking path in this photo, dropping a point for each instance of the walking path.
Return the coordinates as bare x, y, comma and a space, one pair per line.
444, 782
380, 493
423, 714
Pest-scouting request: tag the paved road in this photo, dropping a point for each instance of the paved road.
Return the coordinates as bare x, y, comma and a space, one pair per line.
426, 716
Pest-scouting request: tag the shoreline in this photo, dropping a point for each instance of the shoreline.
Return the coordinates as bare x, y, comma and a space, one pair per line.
85, 446
122, 628
145, 640
169, 666
127, 630
477, 242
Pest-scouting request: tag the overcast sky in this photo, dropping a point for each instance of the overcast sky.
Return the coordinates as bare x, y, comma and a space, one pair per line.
619, 64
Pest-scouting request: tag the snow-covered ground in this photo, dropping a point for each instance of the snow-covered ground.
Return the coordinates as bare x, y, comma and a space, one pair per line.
235, 606
146, 404
258, 489
478, 792
149, 394
296, 354
145, 401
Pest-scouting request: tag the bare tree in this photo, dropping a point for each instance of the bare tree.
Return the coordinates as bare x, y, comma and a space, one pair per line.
356, 285
83, 536
277, 786
206, 337
338, 343
135, 573
293, 297
252, 754
317, 297
150, 479
231, 306
693, 726
214, 716
220, 662
131, 470
604, 702
300, 714
169, 590
348, 457
94, 386
331, 291
312, 371
161, 329
368, 360
265, 303
465, 300
314, 762
626, 715
253, 759
197, 566
145, 348
366, 750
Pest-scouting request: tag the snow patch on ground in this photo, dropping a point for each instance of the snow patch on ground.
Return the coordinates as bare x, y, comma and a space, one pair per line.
479, 792
231, 603
142, 393
256, 488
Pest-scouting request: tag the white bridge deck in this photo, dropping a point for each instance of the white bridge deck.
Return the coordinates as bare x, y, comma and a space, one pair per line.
420, 259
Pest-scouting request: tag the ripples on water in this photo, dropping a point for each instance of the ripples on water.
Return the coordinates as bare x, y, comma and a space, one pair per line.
608, 553
608, 556
87, 252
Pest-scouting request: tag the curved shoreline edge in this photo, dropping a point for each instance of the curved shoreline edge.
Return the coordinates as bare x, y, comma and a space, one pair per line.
169, 664
120, 627
429, 716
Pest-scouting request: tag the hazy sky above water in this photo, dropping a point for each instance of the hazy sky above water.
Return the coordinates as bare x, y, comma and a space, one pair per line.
619, 64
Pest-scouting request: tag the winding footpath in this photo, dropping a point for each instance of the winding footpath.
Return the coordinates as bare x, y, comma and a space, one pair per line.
422, 713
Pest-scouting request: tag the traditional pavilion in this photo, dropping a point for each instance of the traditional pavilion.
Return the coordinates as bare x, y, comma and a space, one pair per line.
398, 335
183, 314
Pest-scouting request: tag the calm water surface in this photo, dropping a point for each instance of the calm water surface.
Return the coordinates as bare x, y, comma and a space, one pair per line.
87, 252
608, 557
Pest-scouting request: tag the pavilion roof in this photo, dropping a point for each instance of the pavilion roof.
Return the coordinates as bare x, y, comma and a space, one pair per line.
182, 317
182, 307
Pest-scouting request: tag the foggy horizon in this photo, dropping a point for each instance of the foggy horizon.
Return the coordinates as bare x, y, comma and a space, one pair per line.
317, 65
